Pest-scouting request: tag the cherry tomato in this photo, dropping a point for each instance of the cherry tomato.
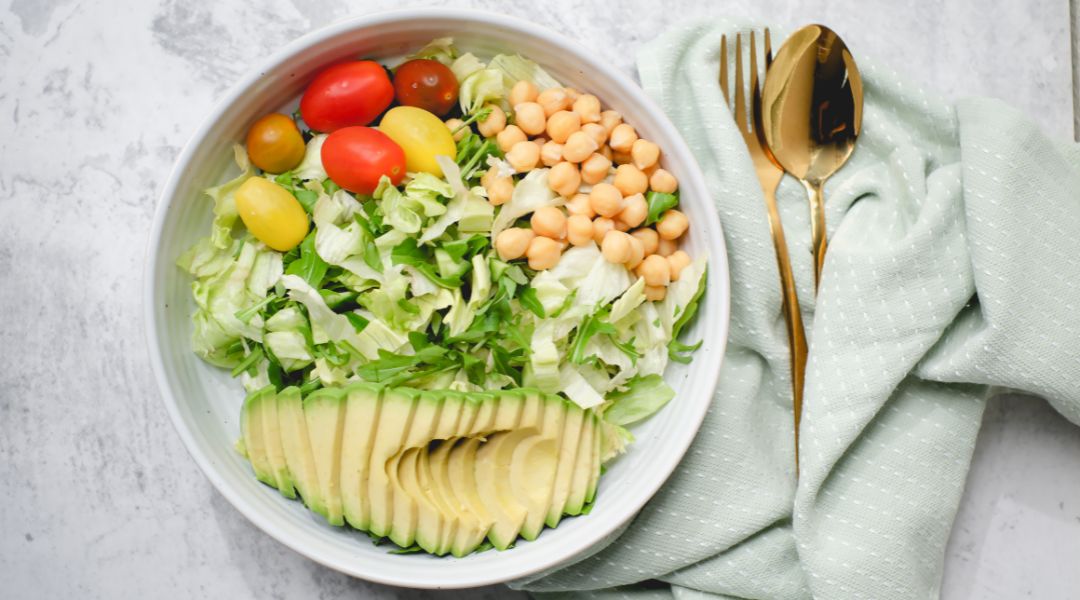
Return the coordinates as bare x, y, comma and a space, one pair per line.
356, 158
274, 144
422, 136
346, 94
426, 84
271, 213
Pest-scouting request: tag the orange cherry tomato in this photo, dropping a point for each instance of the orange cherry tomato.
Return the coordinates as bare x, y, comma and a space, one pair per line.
274, 144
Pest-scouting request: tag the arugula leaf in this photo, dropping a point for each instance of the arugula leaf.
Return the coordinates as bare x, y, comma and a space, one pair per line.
529, 300
658, 203
592, 325
310, 266
357, 321
409, 253
307, 199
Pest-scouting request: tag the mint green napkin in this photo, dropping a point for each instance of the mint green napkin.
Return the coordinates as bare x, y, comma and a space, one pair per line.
953, 267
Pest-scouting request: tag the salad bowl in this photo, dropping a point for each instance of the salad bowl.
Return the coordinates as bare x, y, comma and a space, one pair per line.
204, 402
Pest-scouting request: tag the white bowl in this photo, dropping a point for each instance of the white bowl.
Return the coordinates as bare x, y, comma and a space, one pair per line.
204, 401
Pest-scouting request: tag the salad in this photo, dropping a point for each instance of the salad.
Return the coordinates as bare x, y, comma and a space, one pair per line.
447, 288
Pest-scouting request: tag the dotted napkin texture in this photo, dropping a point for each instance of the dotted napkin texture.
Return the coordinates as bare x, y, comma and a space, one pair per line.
953, 267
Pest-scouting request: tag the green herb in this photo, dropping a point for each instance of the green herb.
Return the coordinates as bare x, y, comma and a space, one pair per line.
307, 199
658, 203
310, 266
357, 321
249, 362
530, 301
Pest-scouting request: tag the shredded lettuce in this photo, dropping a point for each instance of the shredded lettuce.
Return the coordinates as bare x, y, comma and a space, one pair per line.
440, 49
642, 398
530, 193
515, 68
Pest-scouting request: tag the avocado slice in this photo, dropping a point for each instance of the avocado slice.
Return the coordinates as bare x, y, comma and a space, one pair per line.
568, 451
437, 521
461, 471
401, 472
493, 461
324, 411
362, 408
594, 467
395, 419
297, 447
405, 511
457, 417
275, 451
534, 464
251, 432
587, 455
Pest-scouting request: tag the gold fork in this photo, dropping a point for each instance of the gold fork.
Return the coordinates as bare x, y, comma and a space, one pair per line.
769, 173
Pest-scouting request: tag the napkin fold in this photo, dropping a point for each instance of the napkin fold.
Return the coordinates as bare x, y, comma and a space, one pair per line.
953, 269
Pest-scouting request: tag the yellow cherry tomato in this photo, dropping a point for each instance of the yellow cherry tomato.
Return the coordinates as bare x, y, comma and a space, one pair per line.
422, 136
275, 144
271, 213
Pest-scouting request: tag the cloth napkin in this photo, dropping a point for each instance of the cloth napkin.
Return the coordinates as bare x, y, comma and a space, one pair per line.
953, 269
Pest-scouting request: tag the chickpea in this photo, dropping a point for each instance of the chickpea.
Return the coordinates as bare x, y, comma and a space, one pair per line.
678, 261
549, 221
622, 138
605, 199
637, 252
500, 191
512, 243
634, 211
529, 116
601, 226
561, 124
644, 153
648, 171
595, 169
630, 180
579, 146
664, 182
610, 119
456, 129
620, 226
523, 91
656, 271
572, 94
489, 176
510, 136
553, 100
588, 106
616, 247
672, 224
655, 293
551, 153
596, 132
666, 247
493, 123
523, 156
606, 152
648, 238
543, 253
565, 179
579, 230
580, 205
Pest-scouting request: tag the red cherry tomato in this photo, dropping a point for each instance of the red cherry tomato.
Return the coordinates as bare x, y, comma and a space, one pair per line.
426, 84
357, 157
347, 94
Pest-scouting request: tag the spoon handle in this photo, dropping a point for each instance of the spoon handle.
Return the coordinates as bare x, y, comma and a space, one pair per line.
792, 316
816, 193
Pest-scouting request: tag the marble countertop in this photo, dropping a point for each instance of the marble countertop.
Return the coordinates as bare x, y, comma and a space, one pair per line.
96, 98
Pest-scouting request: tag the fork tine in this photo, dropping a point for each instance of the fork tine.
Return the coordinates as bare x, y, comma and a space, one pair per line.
723, 68
740, 91
754, 92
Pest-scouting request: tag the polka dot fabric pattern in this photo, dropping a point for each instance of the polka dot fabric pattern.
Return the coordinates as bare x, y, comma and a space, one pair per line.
953, 269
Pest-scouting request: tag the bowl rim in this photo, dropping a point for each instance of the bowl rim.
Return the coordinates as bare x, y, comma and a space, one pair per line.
718, 269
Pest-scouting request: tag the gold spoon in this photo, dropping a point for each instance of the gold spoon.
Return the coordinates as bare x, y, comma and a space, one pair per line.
812, 114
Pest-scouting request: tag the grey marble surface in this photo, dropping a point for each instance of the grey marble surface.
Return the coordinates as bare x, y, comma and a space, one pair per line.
96, 98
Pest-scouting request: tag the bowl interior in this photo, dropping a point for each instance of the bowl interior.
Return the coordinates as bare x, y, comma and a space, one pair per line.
204, 401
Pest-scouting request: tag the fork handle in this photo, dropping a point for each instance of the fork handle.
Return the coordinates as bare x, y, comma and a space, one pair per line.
816, 193
792, 316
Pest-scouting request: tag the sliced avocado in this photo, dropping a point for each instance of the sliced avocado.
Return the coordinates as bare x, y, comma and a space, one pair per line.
437, 520
395, 419
568, 451
461, 471
405, 511
594, 468
457, 418
251, 431
362, 407
587, 455
324, 411
485, 405
534, 464
297, 447
401, 472
275, 452
493, 461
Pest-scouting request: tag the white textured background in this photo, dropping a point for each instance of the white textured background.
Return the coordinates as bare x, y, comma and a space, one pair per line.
99, 498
